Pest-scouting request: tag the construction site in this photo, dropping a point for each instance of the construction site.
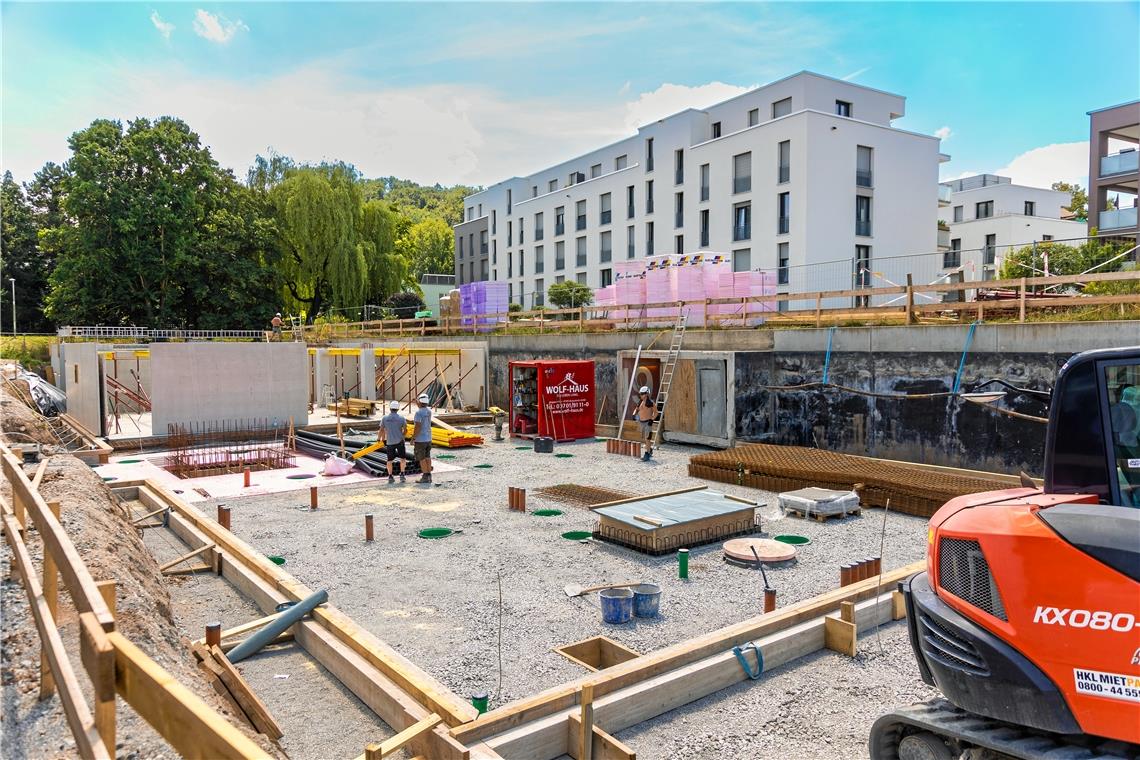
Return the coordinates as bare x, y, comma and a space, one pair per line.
214, 551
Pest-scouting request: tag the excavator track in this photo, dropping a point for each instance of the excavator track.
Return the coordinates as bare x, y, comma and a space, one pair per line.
967, 735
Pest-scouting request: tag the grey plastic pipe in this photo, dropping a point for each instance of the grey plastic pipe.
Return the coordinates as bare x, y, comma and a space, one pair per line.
256, 641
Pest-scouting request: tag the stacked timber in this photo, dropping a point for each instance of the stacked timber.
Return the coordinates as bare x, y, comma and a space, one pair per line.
450, 438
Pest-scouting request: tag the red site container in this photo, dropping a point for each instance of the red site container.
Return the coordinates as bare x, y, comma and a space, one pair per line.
552, 398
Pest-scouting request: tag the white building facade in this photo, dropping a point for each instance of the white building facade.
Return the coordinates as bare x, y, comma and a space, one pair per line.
989, 217
805, 176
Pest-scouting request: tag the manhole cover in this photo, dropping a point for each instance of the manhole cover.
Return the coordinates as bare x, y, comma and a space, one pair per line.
277, 560
522, 448
483, 466
794, 540
445, 456
108, 479
546, 512
301, 476
577, 535
740, 549
563, 456
435, 533
130, 461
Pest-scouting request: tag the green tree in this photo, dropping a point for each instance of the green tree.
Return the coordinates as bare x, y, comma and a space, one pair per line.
569, 295
20, 260
429, 247
388, 271
1079, 199
1092, 255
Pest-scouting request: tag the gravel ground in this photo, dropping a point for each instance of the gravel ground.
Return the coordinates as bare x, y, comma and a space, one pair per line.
438, 601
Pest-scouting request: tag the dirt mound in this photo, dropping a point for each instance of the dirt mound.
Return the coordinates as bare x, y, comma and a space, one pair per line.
19, 423
112, 550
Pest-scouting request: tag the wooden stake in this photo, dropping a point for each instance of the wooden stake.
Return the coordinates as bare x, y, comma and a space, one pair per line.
1021, 301
368, 527
389, 747
184, 557
245, 476
312, 497
586, 727
107, 591
909, 299
213, 634
51, 596
224, 516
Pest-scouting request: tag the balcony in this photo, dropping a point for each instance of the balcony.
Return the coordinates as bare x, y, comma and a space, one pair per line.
783, 174
741, 232
944, 193
581, 224
782, 225
704, 238
742, 184
1117, 219
863, 227
862, 178
559, 229
606, 216
1119, 163
943, 238
630, 251
539, 266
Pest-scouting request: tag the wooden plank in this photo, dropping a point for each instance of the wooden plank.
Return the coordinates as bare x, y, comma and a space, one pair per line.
898, 605
605, 747
51, 596
99, 661
39, 476
681, 409
391, 746
184, 557
185, 721
671, 658
84, 595
586, 722
647, 496
193, 569
253, 706
147, 516
88, 742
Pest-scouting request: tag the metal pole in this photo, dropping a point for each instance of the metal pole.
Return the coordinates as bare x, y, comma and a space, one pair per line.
13, 281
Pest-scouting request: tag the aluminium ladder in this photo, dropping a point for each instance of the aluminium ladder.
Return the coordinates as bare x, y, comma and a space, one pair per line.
667, 380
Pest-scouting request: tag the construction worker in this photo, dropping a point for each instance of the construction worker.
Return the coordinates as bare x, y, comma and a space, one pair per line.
393, 426
421, 437
276, 323
644, 414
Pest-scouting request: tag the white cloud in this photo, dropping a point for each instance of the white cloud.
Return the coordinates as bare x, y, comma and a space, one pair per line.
669, 99
943, 133
216, 27
1041, 167
164, 27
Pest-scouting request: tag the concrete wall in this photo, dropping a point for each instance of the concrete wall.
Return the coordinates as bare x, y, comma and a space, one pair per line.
84, 384
206, 382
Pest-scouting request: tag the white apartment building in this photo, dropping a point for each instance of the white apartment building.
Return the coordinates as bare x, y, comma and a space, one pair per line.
805, 176
989, 216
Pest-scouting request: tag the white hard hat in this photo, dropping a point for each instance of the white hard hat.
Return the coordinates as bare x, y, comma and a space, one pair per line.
424, 398
279, 314
394, 405
644, 389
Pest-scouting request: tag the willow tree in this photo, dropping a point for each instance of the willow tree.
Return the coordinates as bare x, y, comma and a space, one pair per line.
387, 269
318, 211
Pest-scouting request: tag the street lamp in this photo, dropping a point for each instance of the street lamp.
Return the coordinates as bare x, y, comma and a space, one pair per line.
13, 281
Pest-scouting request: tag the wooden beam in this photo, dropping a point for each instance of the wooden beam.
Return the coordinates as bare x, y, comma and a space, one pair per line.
39, 476
147, 516
200, 568
88, 743
605, 746
839, 632
648, 496
252, 625
389, 747
184, 557
51, 596
194, 730
670, 658
586, 722
258, 713
98, 658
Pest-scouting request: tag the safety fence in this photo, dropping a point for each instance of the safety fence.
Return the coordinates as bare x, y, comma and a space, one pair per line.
113, 664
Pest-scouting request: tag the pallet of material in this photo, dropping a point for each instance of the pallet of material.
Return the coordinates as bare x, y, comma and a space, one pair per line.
911, 490
449, 439
354, 407
819, 503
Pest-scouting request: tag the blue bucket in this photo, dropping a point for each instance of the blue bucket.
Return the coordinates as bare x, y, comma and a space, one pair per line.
617, 605
646, 600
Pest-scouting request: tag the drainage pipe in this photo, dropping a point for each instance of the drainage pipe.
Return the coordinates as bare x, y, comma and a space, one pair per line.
256, 641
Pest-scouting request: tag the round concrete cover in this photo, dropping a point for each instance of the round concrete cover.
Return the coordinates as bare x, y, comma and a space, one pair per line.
740, 549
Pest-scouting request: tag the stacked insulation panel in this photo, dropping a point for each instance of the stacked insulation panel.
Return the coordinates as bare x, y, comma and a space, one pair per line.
478, 300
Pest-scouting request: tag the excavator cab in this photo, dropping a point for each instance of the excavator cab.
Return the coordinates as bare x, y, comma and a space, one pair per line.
1028, 615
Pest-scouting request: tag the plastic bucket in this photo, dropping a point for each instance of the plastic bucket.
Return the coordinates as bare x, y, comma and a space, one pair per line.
617, 605
646, 600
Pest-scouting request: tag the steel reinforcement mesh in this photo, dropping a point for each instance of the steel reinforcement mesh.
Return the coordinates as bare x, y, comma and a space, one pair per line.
582, 496
787, 468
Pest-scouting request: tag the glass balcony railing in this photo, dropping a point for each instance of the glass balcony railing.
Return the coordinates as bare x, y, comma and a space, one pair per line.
944, 193
1116, 219
943, 238
862, 178
1120, 163
741, 231
741, 184
863, 227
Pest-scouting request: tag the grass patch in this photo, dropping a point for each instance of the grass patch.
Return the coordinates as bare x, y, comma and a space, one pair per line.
30, 350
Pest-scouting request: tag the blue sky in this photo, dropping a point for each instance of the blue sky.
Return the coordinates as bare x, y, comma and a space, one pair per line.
475, 92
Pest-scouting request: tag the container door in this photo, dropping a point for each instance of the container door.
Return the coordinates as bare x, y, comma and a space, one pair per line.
712, 401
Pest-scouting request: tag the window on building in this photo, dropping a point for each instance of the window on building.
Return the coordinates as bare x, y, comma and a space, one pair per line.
510, 235
863, 175
649, 197
678, 167
560, 255
863, 215
742, 221
678, 210
471, 271
539, 231
510, 265
483, 269
510, 290
629, 202
784, 161
581, 278
607, 277
534, 191
989, 253
494, 222
539, 263
678, 244
552, 185
494, 251
1030, 208
581, 252
783, 213
649, 154
754, 117
471, 245
842, 108
862, 274
508, 202
742, 260
494, 274
595, 171
715, 129
559, 221
704, 182
957, 213
607, 213
984, 210
704, 228
620, 163
559, 278
580, 213
606, 245
742, 173
781, 108
522, 265
470, 213
630, 243
649, 238
953, 258
522, 233
782, 264
482, 242
1046, 238
539, 292
460, 246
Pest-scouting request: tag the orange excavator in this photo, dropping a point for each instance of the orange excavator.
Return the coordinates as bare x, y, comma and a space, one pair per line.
1027, 618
